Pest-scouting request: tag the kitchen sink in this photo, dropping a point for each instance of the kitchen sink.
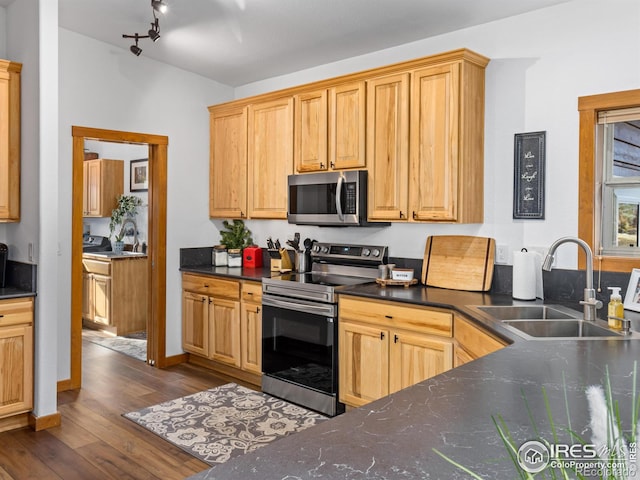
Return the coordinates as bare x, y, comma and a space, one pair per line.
560, 328
530, 312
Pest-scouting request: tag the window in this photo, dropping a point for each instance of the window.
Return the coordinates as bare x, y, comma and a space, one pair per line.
609, 179
618, 147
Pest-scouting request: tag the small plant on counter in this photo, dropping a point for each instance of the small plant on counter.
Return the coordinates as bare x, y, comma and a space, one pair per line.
235, 235
127, 208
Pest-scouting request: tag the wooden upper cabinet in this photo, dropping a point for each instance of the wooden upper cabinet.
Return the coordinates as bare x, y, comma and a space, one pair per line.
103, 184
446, 145
388, 146
10, 141
270, 157
347, 117
228, 162
310, 130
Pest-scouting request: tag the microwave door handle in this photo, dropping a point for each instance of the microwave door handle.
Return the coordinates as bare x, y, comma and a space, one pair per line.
339, 197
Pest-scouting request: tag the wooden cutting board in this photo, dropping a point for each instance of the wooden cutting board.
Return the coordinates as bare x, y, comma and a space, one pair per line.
459, 262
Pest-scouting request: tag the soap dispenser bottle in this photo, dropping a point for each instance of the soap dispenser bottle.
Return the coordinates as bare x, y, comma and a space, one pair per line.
615, 309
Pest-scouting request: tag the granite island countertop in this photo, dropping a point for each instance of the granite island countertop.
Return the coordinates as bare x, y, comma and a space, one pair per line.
395, 437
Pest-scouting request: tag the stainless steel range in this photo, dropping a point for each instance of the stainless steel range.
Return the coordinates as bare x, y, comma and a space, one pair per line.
300, 324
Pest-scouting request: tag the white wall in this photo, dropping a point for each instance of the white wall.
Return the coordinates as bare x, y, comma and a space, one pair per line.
102, 86
541, 62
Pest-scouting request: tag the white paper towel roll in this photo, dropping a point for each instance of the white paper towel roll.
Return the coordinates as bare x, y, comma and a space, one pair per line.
527, 275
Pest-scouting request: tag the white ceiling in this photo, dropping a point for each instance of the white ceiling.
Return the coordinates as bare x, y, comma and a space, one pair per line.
237, 42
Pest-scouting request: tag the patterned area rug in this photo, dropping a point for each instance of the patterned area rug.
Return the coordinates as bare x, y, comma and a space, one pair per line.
135, 347
224, 422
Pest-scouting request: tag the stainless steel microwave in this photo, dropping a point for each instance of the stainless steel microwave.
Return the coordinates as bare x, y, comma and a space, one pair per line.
329, 199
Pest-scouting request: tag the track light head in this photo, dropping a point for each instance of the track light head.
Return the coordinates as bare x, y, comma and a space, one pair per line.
154, 31
159, 6
135, 49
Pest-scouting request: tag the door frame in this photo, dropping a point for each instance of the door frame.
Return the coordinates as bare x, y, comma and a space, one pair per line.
157, 244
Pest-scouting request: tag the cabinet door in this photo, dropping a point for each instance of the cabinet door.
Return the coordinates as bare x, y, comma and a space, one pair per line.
101, 294
10, 141
388, 146
461, 356
363, 363
270, 157
91, 197
347, 126
228, 163
310, 130
433, 191
251, 337
224, 331
415, 358
195, 323
16, 381
87, 296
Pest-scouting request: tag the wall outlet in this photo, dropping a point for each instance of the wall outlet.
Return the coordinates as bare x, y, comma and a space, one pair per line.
502, 254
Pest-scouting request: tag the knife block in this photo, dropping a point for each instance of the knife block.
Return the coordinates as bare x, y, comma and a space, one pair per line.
285, 260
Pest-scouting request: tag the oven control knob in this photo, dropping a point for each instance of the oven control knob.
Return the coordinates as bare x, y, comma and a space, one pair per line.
325, 249
376, 252
316, 248
366, 252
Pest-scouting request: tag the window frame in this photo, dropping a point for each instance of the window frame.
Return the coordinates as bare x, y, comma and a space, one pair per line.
588, 216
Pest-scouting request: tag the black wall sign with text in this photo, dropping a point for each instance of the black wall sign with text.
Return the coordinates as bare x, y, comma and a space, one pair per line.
528, 178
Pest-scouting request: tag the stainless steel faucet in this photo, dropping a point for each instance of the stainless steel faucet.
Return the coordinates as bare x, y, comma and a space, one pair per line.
590, 303
135, 230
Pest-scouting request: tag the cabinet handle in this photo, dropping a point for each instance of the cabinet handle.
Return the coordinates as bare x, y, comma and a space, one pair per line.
388, 316
203, 300
241, 214
332, 165
210, 301
257, 309
414, 215
381, 335
249, 293
395, 339
401, 214
321, 165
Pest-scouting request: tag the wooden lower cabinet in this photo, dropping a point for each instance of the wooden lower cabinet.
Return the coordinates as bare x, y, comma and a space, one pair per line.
472, 341
16, 358
251, 327
386, 346
114, 293
222, 322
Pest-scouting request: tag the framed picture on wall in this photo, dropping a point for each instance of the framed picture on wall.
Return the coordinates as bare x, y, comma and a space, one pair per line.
139, 175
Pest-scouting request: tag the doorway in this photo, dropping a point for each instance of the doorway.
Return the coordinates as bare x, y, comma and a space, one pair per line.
156, 249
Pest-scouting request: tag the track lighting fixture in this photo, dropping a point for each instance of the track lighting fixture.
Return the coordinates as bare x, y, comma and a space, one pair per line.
154, 32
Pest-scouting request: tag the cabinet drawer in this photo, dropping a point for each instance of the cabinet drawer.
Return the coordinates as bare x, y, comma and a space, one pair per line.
96, 266
397, 315
17, 311
252, 292
213, 286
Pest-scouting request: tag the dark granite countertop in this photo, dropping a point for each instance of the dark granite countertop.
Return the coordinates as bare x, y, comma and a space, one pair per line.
394, 437
15, 292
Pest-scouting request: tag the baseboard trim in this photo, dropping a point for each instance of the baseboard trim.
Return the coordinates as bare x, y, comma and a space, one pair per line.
227, 372
44, 422
174, 360
15, 421
65, 385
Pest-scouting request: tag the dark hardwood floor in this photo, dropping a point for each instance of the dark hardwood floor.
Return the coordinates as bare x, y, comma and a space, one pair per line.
94, 440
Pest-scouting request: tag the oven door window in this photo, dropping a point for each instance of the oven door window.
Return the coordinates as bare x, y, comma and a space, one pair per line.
299, 347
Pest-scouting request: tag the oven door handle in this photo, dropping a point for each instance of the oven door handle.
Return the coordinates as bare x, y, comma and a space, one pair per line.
324, 310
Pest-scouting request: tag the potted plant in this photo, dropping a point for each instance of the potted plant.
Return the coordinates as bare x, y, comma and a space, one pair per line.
235, 237
126, 209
